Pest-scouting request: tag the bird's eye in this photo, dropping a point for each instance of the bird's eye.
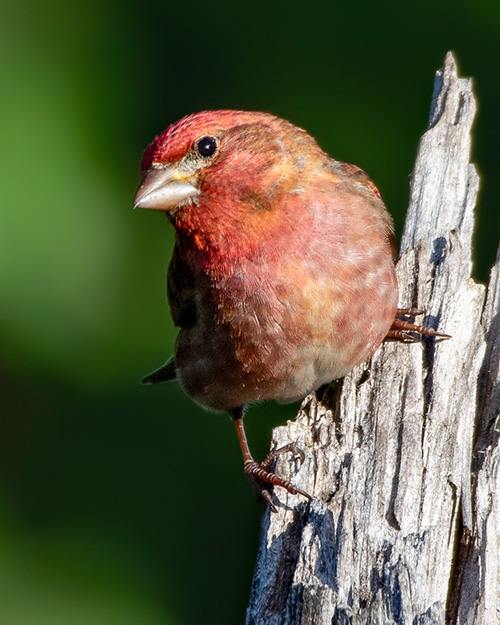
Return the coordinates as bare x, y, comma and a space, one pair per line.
206, 146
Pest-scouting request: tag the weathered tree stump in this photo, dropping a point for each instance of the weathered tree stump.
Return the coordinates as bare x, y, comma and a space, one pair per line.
403, 456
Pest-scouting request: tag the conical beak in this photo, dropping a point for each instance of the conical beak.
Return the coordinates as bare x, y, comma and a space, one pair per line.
164, 189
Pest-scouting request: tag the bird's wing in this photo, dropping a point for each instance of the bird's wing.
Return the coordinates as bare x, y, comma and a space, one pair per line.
359, 177
355, 173
165, 373
181, 290
181, 297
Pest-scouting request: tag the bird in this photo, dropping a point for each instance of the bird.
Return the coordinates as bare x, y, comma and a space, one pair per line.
282, 277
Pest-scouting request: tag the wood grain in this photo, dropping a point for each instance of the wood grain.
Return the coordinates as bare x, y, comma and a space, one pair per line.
402, 457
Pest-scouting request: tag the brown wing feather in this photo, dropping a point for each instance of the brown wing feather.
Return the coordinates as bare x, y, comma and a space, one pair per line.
358, 175
181, 291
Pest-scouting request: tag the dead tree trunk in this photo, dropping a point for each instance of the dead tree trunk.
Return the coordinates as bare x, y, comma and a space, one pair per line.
403, 456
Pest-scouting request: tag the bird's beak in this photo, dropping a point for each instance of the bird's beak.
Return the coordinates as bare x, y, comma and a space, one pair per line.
164, 189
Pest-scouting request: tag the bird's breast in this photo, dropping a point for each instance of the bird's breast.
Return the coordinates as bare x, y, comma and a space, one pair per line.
279, 331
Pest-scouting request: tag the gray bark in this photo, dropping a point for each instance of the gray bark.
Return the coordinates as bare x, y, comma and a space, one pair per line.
402, 457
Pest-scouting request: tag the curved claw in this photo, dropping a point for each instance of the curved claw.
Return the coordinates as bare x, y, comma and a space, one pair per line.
292, 448
258, 473
267, 494
402, 330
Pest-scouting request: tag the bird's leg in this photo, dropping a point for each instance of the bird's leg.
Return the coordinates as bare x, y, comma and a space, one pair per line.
405, 331
260, 473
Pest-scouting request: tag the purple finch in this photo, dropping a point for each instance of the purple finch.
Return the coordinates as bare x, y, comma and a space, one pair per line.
282, 277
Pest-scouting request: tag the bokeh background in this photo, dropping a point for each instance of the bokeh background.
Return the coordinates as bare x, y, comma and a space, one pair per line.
122, 504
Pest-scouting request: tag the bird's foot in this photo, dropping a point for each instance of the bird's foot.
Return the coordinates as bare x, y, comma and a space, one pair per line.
405, 331
264, 479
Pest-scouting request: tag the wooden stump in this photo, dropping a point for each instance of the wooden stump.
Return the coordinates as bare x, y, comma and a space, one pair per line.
402, 457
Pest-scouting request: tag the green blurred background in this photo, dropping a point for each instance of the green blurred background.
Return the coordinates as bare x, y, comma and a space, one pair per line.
122, 504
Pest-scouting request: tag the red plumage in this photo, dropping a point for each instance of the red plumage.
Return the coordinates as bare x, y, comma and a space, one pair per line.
282, 277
